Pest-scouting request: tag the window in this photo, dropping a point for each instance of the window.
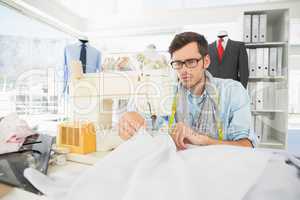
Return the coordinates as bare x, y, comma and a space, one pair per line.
31, 59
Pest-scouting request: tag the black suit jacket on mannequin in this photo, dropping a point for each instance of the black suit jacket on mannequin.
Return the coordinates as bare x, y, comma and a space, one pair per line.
234, 63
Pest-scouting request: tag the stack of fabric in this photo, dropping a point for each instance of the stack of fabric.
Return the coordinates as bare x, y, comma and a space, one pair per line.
13, 132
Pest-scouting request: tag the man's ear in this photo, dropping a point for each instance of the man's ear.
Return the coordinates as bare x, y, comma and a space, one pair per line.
206, 61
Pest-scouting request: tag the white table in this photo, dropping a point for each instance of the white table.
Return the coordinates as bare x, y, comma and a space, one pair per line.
70, 169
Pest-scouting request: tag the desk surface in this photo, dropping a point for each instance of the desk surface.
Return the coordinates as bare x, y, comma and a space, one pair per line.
69, 170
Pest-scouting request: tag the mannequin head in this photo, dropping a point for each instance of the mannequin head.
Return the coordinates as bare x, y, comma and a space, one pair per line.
83, 41
222, 34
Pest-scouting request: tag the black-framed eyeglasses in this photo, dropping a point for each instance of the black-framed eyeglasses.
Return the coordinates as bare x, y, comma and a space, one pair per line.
189, 63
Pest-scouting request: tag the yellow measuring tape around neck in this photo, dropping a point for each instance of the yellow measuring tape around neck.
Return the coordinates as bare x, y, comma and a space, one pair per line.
172, 117
218, 120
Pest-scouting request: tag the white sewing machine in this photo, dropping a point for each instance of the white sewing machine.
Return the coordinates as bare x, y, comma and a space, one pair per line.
94, 96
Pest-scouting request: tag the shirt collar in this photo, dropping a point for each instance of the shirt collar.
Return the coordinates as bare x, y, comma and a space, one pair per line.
209, 90
194, 99
224, 42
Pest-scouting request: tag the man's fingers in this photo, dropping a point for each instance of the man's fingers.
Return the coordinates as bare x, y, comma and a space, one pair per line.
179, 135
181, 138
136, 125
129, 129
181, 141
129, 124
124, 134
176, 135
126, 131
134, 119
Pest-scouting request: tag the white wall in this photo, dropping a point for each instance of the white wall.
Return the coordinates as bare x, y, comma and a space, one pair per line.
16, 24
49, 12
179, 18
207, 21
121, 15
57, 11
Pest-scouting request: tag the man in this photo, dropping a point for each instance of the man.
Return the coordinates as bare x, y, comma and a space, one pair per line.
206, 110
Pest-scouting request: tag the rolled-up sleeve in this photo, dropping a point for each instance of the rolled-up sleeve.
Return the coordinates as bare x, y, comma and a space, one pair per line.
240, 115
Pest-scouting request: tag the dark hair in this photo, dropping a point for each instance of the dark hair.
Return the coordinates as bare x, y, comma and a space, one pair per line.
182, 39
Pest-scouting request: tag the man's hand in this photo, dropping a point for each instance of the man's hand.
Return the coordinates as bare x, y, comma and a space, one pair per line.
182, 135
129, 124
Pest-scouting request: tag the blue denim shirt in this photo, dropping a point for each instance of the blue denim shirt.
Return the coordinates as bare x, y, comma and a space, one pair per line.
234, 113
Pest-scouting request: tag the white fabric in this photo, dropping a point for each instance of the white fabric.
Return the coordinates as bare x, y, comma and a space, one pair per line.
49, 186
148, 167
108, 140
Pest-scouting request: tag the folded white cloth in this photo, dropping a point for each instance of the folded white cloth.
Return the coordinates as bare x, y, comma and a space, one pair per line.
108, 140
13, 132
45, 184
148, 167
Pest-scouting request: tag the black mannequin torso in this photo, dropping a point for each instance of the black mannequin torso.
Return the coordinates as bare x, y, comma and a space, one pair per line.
234, 62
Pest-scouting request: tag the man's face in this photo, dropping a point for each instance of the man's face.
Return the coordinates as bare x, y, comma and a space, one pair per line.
190, 75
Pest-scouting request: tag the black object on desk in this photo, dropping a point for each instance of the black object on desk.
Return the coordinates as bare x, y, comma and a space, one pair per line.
35, 151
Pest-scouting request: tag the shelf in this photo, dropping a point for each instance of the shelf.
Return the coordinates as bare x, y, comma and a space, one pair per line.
271, 144
267, 78
267, 111
266, 44
269, 120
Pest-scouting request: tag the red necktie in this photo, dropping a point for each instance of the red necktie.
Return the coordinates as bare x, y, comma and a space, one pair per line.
220, 49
